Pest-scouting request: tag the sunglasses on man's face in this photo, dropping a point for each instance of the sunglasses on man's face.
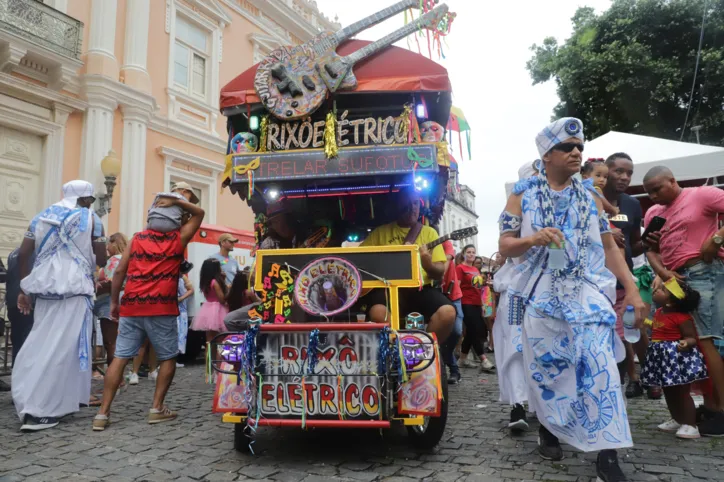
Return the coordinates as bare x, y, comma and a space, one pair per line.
568, 147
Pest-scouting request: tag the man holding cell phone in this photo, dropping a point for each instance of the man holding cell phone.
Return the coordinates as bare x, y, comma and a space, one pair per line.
689, 246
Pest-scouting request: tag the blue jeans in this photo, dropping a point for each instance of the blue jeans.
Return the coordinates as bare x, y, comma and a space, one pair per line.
447, 350
708, 280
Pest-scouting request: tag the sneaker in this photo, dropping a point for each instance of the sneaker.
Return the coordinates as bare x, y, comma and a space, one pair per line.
486, 365
714, 427
153, 375
34, 424
634, 390
454, 378
607, 468
518, 419
163, 415
655, 393
467, 363
687, 431
549, 448
179, 365
133, 379
670, 426
100, 422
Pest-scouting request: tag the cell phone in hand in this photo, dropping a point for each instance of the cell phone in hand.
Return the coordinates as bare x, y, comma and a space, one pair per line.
656, 224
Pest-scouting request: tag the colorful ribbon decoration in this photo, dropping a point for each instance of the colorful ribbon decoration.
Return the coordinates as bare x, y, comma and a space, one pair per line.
340, 398
263, 133
304, 403
330, 136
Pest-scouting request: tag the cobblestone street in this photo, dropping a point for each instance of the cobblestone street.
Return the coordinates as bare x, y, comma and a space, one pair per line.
198, 446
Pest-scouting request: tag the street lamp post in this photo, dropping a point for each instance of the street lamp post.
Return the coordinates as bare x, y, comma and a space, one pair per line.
111, 168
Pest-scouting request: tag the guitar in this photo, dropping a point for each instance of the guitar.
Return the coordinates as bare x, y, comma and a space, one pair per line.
454, 236
293, 82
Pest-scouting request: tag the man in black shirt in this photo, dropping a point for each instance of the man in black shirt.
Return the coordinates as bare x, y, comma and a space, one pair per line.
20, 324
628, 236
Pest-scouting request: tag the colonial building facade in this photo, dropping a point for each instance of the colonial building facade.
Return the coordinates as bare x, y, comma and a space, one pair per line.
79, 78
460, 213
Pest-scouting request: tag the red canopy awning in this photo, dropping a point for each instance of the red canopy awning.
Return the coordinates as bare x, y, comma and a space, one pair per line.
393, 70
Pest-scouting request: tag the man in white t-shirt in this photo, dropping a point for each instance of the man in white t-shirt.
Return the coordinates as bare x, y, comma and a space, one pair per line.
228, 264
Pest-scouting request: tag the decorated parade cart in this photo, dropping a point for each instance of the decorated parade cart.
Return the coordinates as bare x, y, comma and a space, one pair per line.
321, 137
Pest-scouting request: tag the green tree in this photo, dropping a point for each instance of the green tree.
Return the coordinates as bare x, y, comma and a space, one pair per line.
631, 69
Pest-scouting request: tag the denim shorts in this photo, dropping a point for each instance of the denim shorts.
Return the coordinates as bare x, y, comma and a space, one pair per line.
708, 280
102, 307
162, 331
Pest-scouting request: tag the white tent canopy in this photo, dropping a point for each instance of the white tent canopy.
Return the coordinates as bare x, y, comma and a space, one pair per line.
686, 160
644, 149
700, 166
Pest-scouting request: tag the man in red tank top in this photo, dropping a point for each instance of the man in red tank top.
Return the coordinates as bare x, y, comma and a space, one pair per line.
149, 307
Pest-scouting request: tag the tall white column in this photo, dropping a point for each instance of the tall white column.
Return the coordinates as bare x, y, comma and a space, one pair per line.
97, 138
135, 50
102, 37
133, 170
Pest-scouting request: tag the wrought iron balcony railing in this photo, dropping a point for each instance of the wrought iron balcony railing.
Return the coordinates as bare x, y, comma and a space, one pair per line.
42, 25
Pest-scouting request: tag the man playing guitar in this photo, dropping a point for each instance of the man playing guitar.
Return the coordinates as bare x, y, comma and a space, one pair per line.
437, 309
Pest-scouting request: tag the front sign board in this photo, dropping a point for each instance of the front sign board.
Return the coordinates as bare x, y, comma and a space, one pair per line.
351, 161
343, 384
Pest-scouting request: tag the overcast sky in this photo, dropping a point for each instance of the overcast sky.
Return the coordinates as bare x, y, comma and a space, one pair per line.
503, 107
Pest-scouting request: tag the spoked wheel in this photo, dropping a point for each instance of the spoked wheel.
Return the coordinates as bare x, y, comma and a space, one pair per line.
242, 437
429, 434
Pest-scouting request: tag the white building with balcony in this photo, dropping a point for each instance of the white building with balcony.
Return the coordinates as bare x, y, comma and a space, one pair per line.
460, 213
141, 77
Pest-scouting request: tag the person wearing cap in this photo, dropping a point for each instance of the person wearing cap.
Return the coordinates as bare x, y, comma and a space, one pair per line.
569, 345
229, 265
52, 372
149, 306
186, 191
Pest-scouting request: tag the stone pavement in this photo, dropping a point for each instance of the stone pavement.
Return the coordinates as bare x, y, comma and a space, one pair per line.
198, 446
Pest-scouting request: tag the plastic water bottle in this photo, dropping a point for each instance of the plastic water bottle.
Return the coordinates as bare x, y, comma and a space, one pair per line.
557, 256
630, 332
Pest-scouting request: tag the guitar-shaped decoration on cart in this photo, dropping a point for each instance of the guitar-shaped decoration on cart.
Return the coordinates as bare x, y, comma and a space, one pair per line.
293, 82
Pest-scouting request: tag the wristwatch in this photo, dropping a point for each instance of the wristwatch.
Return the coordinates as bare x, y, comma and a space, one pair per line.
718, 240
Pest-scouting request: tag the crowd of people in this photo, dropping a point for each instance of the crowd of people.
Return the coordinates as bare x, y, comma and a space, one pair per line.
561, 328
131, 296
578, 272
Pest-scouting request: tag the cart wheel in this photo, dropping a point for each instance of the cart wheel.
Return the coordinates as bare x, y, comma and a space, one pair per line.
429, 434
242, 437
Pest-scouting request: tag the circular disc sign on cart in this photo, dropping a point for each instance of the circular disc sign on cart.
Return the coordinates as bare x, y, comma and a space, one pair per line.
327, 286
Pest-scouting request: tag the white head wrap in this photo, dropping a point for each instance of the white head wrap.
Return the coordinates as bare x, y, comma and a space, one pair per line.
73, 190
528, 169
558, 132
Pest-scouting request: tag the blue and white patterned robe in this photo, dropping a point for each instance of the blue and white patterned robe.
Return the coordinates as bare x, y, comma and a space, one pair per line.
51, 374
568, 339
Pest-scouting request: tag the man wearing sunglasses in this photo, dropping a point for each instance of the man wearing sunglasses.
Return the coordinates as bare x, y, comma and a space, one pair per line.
566, 266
